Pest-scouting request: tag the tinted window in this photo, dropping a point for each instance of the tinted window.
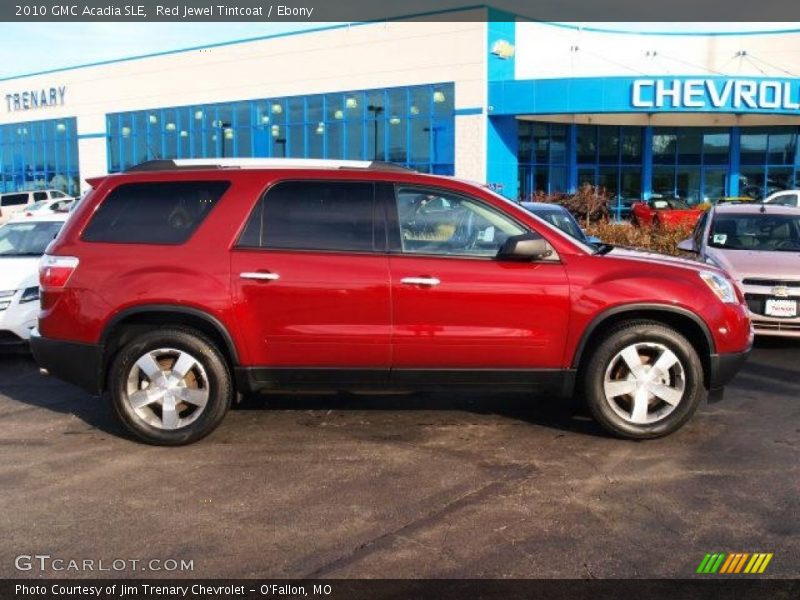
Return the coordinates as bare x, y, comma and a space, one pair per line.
57, 194
14, 199
314, 215
39, 196
433, 222
154, 213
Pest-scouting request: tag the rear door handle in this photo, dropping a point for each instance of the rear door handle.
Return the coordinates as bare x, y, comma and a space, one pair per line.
259, 276
426, 281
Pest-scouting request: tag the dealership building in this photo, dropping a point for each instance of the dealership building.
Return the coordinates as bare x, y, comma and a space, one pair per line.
521, 105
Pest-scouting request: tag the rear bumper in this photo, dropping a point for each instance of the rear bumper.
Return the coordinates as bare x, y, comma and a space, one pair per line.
724, 367
76, 363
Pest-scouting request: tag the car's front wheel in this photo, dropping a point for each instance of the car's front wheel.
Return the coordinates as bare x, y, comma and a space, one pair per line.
170, 387
645, 380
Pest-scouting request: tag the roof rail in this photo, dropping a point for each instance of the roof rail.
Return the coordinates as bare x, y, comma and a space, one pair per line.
262, 163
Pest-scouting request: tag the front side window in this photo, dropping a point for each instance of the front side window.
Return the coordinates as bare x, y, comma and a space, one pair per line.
434, 222
37, 196
154, 213
314, 215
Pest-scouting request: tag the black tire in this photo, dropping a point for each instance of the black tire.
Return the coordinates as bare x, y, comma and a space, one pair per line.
687, 374
210, 373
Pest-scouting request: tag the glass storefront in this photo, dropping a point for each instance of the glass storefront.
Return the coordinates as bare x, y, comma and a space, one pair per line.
697, 164
412, 126
39, 155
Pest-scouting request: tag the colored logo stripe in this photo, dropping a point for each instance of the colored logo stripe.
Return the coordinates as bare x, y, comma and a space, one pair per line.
723, 563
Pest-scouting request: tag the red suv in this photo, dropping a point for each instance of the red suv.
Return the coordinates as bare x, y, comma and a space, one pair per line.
177, 284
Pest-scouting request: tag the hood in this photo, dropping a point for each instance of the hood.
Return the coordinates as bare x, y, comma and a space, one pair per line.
18, 273
661, 259
756, 263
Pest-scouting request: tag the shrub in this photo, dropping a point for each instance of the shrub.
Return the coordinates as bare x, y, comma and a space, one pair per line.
653, 239
589, 204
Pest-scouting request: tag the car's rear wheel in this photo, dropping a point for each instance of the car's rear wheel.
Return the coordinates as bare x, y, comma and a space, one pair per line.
170, 387
645, 380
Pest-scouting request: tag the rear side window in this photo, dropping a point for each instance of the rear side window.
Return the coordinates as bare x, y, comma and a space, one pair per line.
13, 200
154, 213
314, 215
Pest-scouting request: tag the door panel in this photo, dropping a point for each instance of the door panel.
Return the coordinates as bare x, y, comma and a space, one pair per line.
483, 314
325, 310
454, 305
311, 278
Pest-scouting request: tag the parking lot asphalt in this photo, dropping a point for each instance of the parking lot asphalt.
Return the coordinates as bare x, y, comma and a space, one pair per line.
425, 485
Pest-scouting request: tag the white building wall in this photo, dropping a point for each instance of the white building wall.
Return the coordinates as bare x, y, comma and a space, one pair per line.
545, 51
358, 57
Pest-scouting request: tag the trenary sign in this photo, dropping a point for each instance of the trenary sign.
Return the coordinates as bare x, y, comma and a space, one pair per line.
38, 98
716, 94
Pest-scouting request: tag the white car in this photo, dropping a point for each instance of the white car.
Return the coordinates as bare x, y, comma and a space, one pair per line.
12, 203
45, 207
22, 244
784, 198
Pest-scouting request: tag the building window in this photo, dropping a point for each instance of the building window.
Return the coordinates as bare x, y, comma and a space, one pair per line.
769, 161
690, 163
413, 126
610, 157
39, 155
543, 158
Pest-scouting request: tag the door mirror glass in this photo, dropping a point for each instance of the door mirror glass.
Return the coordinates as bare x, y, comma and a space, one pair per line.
526, 246
688, 245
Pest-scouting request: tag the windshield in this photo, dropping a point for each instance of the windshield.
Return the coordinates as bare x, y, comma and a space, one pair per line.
578, 241
756, 231
668, 203
26, 238
37, 205
563, 221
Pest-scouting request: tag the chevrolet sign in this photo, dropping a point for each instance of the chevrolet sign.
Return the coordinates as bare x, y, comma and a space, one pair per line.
710, 94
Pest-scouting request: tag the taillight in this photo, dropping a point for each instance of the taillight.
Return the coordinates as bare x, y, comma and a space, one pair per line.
55, 271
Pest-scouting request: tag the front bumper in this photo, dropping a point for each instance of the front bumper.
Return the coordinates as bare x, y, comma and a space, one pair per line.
724, 368
17, 320
76, 363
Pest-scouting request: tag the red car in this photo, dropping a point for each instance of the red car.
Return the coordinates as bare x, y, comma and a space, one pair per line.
665, 212
177, 284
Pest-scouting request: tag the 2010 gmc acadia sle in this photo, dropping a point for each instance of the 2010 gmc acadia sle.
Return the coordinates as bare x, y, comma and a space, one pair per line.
177, 284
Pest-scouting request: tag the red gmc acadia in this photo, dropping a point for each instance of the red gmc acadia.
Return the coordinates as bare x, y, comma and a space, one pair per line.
177, 284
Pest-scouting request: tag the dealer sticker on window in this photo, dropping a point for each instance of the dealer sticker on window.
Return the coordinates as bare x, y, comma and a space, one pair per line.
720, 238
780, 308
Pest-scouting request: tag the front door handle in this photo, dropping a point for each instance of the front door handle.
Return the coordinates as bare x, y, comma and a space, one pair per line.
259, 276
426, 281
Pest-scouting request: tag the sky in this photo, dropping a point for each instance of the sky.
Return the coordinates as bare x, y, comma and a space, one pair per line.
33, 47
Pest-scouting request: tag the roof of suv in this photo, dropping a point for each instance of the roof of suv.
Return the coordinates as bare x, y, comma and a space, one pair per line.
265, 163
753, 208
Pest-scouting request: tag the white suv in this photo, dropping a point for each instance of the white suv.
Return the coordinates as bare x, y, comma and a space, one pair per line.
14, 202
22, 244
784, 198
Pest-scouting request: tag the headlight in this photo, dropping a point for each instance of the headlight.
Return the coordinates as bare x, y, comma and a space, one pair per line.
29, 295
721, 286
5, 299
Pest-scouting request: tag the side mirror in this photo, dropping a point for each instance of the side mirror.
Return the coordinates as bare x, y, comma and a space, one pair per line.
688, 245
526, 246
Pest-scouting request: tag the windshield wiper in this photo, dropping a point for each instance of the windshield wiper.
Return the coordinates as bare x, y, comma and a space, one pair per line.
15, 254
